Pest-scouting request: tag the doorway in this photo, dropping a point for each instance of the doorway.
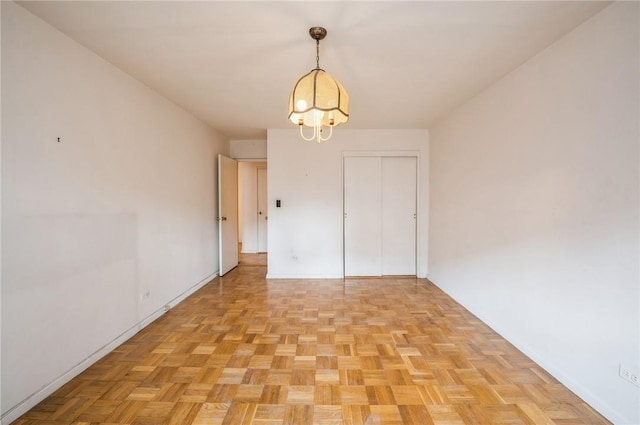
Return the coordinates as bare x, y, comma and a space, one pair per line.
252, 206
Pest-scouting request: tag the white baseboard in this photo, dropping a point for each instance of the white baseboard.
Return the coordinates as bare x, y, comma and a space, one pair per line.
304, 276
313, 276
585, 394
30, 402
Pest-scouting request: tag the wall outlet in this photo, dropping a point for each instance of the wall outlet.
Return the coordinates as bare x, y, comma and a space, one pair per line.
627, 375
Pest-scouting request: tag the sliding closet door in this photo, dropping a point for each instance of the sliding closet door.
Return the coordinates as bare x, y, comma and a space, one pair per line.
399, 215
380, 215
362, 216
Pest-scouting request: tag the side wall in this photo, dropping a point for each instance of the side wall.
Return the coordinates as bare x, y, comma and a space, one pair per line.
248, 150
102, 227
534, 209
305, 234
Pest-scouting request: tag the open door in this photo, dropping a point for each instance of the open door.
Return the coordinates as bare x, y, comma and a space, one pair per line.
227, 213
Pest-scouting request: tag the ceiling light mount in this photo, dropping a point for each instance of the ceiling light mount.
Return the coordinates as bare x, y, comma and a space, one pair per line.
317, 33
318, 100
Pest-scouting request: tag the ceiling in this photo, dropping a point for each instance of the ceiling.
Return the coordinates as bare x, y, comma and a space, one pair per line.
233, 63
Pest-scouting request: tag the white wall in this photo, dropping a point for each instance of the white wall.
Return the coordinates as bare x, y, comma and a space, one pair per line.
123, 205
534, 209
305, 234
1, 410
248, 149
248, 183
240, 202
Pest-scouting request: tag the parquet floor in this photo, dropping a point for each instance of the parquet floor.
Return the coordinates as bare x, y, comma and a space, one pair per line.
244, 350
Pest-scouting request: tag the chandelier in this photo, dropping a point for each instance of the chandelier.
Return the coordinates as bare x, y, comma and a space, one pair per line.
318, 100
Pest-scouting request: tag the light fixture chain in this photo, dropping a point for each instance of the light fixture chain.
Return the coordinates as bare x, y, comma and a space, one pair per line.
317, 54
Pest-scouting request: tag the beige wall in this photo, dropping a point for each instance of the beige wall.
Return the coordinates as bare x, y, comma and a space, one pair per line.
534, 209
123, 206
305, 234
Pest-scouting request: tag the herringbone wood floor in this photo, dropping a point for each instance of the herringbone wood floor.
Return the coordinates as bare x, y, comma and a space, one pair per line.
244, 350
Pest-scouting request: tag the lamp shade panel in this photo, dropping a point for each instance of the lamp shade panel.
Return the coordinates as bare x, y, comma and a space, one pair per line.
318, 99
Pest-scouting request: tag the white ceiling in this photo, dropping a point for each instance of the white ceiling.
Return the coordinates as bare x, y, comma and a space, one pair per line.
234, 63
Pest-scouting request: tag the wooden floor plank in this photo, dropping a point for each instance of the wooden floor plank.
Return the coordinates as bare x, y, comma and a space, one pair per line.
247, 350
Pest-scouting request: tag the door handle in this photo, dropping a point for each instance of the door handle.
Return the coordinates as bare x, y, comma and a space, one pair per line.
224, 218
260, 212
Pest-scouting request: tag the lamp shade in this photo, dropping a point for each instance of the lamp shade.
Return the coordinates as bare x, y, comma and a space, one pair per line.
318, 100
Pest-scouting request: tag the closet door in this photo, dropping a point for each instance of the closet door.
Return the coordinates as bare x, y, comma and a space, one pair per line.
362, 216
380, 205
399, 215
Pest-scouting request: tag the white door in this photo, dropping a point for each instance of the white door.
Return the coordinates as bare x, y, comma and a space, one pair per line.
227, 213
380, 216
362, 216
399, 215
262, 210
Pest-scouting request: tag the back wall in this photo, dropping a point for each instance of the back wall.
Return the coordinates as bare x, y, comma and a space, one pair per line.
305, 234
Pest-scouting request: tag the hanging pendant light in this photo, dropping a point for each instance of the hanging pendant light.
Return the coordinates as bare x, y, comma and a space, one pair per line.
318, 100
